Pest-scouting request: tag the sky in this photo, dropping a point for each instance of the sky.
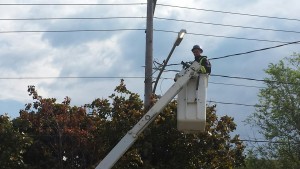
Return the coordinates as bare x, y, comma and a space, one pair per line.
110, 44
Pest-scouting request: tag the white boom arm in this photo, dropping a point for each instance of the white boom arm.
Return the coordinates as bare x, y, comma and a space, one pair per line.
131, 136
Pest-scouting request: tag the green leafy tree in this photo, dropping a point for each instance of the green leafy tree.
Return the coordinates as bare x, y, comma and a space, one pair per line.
12, 145
278, 114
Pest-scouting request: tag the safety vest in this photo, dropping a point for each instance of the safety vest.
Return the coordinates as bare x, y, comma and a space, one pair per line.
202, 68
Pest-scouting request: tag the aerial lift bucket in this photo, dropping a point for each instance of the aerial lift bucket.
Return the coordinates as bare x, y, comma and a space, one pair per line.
191, 107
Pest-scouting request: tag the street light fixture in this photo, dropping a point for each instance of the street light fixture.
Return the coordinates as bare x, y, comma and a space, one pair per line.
180, 37
176, 43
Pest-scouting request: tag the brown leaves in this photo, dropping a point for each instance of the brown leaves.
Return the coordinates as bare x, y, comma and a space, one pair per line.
83, 138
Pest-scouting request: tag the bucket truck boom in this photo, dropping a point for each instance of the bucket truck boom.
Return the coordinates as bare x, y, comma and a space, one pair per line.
131, 136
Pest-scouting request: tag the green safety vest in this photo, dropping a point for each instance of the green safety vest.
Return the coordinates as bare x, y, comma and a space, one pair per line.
202, 68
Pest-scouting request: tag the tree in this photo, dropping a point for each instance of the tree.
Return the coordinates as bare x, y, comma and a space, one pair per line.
63, 136
278, 114
214, 148
13, 145
161, 145
80, 137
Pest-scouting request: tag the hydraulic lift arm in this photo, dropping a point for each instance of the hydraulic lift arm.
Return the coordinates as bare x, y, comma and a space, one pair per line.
131, 136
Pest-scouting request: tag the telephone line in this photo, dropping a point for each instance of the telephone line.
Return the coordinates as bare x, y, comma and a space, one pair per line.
251, 79
267, 141
71, 77
227, 25
221, 36
247, 78
77, 18
236, 104
134, 29
227, 12
131, 77
165, 5
238, 85
252, 51
142, 17
71, 31
237, 54
111, 77
67, 4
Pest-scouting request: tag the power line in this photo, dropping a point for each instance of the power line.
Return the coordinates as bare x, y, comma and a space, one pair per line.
243, 78
237, 85
226, 25
267, 141
141, 17
137, 77
71, 31
68, 4
227, 12
133, 29
221, 36
126, 4
73, 18
236, 104
251, 79
252, 51
72, 77
112, 77
120, 77
229, 84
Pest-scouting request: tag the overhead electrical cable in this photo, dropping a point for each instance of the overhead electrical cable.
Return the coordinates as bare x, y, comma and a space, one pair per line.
70, 31
70, 4
132, 29
73, 18
227, 25
142, 17
267, 141
237, 85
252, 79
164, 5
115, 77
237, 104
72, 77
243, 53
227, 12
257, 50
243, 78
221, 36
141, 77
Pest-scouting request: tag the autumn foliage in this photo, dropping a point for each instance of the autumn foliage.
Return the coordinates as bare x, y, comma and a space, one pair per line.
65, 136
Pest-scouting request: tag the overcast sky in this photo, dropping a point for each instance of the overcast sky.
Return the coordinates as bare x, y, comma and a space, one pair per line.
109, 51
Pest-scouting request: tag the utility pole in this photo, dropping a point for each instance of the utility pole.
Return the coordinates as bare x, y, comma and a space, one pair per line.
149, 54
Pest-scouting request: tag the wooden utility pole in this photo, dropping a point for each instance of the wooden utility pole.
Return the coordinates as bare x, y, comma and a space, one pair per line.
149, 54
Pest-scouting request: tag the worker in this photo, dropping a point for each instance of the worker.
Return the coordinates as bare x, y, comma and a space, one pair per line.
205, 64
